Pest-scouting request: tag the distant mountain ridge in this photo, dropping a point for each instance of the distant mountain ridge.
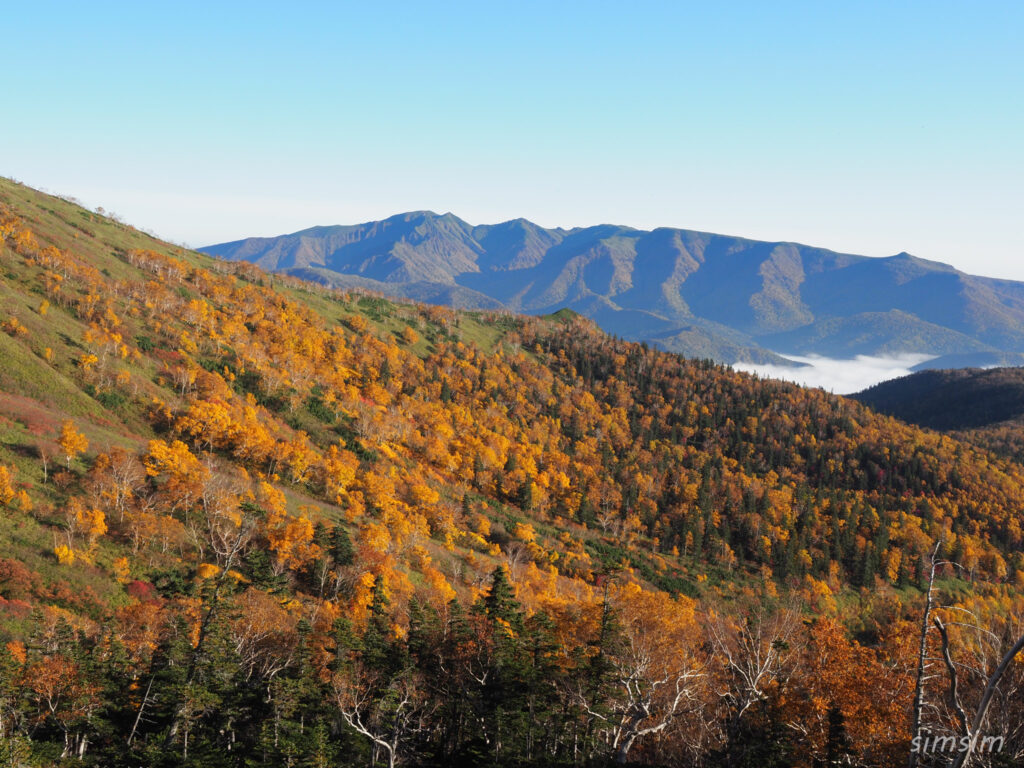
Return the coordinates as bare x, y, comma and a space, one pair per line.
707, 295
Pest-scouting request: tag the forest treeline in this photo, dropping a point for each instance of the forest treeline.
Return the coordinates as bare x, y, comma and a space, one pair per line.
246, 520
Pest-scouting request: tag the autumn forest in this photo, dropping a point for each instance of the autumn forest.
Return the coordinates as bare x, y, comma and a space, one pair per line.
247, 520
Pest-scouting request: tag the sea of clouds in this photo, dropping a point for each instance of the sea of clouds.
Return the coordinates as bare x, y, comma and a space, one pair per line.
840, 376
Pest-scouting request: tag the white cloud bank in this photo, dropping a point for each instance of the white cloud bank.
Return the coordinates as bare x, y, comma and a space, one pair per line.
843, 377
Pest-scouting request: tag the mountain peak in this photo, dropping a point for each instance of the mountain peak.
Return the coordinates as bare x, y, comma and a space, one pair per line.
411, 216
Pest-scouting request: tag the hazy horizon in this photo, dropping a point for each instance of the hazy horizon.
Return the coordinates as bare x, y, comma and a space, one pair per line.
867, 130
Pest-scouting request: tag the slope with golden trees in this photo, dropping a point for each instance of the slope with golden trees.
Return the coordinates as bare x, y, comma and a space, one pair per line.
248, 520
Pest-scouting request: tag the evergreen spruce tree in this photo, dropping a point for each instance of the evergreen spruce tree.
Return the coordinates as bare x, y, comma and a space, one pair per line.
838, 745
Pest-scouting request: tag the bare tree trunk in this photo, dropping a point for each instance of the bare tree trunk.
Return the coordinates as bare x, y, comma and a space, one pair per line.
922, 663
954, 680
142, 708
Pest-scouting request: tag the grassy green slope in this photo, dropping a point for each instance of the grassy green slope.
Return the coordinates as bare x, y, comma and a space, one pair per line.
42, 384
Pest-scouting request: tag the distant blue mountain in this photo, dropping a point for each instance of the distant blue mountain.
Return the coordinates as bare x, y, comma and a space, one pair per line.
701, 294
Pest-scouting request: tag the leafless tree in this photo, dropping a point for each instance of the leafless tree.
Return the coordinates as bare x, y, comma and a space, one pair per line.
387, 715
753, 655
987, 647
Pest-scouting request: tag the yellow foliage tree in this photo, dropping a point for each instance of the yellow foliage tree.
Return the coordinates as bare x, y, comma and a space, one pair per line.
525, 532
338, 472
178, 471
71, 441
83, 522
409, 336
121, 569
24, 502
7, 491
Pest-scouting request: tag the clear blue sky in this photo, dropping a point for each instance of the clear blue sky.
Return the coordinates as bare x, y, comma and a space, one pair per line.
864, 127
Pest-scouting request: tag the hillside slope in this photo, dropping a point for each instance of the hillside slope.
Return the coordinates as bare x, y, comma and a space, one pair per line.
980, 406
743, 297
250, 520
951, 399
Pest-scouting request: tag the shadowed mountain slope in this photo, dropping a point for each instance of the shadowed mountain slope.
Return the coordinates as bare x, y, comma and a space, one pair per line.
965, 398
